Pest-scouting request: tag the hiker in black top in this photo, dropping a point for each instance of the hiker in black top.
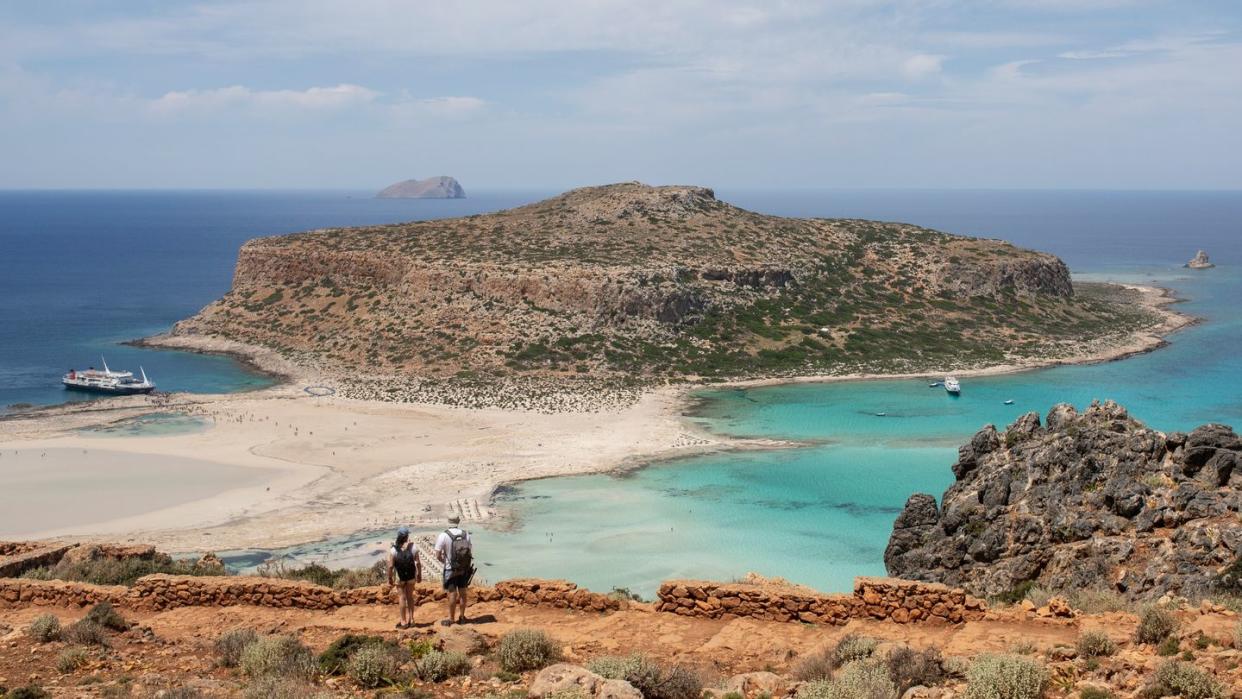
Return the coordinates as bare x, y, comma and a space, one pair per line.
403, 560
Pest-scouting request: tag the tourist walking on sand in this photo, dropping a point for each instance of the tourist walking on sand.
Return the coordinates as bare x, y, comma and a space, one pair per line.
403, 560
455, 550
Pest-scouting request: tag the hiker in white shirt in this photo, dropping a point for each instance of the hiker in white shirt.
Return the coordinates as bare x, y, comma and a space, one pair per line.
454, 550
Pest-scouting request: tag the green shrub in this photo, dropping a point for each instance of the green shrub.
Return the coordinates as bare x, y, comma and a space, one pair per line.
505, 676
45, 628
85, 632
1098, 601
858, 679
821, 665
30, 691
910, 668
1005, 676
1169, 646
319, 574
1155, 625
278, 656
335, 658
114, 571
283, 688
373, 665
1175, 677
182, 693
419, 648
106, 616
1094, 693
71, 659
437, 666
648, 677
1095, 644
230, 644
526, 649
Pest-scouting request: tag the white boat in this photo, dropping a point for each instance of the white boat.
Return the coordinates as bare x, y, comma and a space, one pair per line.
952, 386
115, 383
1009, 402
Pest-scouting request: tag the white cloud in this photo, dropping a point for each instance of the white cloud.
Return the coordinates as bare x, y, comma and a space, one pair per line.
921, 65
238, 96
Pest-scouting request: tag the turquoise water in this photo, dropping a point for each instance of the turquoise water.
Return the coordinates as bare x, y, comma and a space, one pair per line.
151, 425
821, 515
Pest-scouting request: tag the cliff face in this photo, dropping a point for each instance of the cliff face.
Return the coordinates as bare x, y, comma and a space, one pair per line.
441, 187
1079, 501
628, 280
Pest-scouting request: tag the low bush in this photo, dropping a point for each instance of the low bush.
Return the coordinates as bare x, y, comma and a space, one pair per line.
230, 644
1179, 678
858, 679
278, 656
44, 628
1094, 693
319, 574
334, 659
910, 668
1005, 676
821, 665
374, 665
648, 677
1095, 644
526, 649
1169, 646
114, 571
30, 691
437, 666
283, 688
71, 659
106, 616
1098, 600
1155, 625
85, 632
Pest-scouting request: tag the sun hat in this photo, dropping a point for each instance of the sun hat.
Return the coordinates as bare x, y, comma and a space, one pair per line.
454, 519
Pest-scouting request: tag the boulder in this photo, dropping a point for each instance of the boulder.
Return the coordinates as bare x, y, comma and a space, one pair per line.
753, 684
563, 677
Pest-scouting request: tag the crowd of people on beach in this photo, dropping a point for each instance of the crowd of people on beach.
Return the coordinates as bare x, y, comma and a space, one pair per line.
454, 550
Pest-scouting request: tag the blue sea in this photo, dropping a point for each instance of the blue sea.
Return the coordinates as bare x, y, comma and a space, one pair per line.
82, 271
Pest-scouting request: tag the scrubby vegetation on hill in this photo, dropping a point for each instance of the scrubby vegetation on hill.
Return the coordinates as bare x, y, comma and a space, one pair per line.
634, 282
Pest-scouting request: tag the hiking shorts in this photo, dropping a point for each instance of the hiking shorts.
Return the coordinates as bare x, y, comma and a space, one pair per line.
456, 581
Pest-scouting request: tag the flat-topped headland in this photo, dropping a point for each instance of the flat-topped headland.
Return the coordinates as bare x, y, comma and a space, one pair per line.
603, 290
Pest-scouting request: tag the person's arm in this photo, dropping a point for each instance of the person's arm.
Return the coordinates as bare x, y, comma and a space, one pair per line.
390, 567
440, 548
418, 566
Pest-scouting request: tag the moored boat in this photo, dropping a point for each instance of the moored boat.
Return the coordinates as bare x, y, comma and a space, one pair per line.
952, 385
106, 381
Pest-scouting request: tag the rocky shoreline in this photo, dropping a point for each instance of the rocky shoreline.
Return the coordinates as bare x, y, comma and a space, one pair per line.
1077, 501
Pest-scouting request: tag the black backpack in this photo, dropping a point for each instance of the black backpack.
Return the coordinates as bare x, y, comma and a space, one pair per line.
405, 562
460, 558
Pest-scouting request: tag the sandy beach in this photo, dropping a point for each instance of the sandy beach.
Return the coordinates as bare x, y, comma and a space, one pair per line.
282, 466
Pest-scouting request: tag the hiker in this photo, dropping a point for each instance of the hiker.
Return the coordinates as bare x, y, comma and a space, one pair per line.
403, 560
454, 550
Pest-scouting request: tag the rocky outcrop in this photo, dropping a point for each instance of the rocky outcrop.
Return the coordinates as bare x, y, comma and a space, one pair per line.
1076, 501
1200, 261
626, 282
442, 187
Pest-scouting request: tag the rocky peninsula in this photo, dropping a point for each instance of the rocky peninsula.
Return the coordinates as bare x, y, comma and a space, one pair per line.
1092, 500
626, 285
442, 187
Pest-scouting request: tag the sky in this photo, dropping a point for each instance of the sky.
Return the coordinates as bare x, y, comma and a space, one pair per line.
1101, 94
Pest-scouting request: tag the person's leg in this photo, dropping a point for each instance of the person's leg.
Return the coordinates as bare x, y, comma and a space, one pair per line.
450, 596
409, 604
402, 604
462, 592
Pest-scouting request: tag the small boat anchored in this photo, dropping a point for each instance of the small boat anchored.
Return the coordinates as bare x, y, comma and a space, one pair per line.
1009, 402
115, 383
952, 385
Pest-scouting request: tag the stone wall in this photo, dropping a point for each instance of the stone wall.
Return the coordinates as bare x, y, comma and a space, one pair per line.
18, 557
901, 601
159, 592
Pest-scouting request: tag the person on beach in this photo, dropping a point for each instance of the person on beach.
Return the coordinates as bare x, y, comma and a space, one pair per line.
455, 550
403, 560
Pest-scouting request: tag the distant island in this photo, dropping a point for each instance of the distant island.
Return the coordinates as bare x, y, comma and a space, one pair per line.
633, 284
442, 187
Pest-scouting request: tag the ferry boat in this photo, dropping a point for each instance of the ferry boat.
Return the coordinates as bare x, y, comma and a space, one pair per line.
952, 385
115, 383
